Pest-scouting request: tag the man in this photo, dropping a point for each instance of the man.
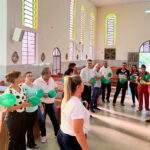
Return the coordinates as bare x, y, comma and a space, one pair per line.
86, 74
105, 70
96, 88
46, 83
122, 73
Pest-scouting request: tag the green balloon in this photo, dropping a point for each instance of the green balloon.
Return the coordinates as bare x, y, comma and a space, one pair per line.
52, 94
142, 81
132, 77
39, 93
81, 101
109, 74
147, 77
103, 80
94, 81
122, 81
107, 81
7, 100
34, 100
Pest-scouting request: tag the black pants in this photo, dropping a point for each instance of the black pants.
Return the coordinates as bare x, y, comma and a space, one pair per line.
31, 117
86, 95
118, 88
104, 86
133, 88
51, 111
17, 126
67, 142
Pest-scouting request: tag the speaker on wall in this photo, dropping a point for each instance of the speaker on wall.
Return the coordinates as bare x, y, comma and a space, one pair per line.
18, 35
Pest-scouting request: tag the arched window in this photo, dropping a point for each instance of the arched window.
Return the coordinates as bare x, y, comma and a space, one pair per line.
145, 47
144, 55
72, 29
92, 31
56, 68
30, 13
110, 30
82, 30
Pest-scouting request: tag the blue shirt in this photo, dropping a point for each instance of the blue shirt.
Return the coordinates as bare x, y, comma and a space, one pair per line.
30, 91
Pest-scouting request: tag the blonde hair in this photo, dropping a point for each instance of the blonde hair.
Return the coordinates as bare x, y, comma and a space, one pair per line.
96, 65
70, 85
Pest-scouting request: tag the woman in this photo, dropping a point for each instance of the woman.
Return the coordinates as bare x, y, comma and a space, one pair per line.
143, 89
30, 90
74, 117
16, 118
133, 85
68, 72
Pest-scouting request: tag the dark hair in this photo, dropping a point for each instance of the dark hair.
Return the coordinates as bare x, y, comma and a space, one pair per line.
143, 66
68, 72
71, 65
89, 60
124, 63
12, 75
45, 71
26, 73
133, 70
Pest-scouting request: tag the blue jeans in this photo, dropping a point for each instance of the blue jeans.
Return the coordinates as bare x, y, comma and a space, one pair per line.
51, 111
94, 97
67, 142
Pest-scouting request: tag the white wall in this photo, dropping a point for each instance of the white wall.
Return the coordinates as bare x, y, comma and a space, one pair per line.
3, 36
53, 27
133, 28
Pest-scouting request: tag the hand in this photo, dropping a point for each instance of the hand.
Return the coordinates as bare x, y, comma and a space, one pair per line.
102, 76
139, 84
42, 110
45, 95
85, 103
90, 81
26, 104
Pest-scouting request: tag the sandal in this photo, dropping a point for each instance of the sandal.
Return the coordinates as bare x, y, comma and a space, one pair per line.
35, 146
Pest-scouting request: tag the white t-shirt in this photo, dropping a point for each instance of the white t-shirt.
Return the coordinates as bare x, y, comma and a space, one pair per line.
98, 82
86, 74
46, 87
104, 71
73, 110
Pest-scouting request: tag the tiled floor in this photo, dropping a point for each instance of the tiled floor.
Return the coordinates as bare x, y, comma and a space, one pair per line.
113, 128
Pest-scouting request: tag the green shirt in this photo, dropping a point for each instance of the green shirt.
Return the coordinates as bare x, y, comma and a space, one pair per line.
30, 91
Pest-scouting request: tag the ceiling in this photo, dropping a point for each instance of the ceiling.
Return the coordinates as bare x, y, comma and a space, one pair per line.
100, 3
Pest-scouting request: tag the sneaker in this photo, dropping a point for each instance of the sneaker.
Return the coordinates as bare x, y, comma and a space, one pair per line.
97, 108
148, 120
138, 110
92, 110
43, 139
114, 104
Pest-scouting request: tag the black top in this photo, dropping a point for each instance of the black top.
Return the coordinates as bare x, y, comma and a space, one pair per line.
123, 74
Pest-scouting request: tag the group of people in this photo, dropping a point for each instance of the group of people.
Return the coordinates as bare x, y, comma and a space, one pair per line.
21, 117
78, 90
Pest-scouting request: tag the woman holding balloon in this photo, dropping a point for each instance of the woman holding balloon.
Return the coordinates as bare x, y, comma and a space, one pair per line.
133, 85
30, 90
16, 117
142, 88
